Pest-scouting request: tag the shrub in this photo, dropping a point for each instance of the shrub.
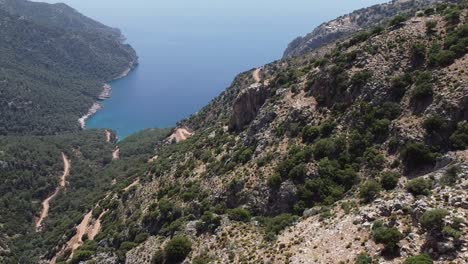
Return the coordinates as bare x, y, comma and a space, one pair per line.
459, 138
209, 222
442, 58
326, 148
243, 155
310, 134
203, 259
415, 155
389, 237
81, 255
435, 124
450, 176
273, 226
298, 173
380, 129
239, 214
419, 186
400, 84
451, 232
430, 27
127, 245
397, 21
369, 190
389, 180
361, 78
274, 181
177, 249
326, 128
419, 259
158, 257
422, 91
433, 220
418, 53
364, 258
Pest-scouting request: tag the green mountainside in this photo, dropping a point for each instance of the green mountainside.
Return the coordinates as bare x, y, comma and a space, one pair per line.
51, 71
355, 151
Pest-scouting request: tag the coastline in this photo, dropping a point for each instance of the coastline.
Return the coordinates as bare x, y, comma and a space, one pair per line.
105, 94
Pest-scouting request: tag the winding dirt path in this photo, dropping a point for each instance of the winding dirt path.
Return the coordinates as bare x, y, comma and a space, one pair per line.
108, 136
46, 202
137, 181
256, 75
116, 154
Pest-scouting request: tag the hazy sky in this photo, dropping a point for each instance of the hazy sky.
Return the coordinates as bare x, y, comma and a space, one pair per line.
299, 15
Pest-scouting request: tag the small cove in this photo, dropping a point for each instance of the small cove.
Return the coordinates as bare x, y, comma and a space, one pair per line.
190, 51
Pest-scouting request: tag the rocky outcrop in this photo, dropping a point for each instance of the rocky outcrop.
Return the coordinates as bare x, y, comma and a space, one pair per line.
247, 105
348, 24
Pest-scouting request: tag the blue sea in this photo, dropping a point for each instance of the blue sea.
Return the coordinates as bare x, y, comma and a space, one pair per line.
190, 51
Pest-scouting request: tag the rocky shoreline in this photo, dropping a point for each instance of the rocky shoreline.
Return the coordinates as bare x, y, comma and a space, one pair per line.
105, 94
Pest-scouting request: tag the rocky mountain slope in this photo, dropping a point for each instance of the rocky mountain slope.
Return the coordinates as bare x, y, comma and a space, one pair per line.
355, 152
348, 24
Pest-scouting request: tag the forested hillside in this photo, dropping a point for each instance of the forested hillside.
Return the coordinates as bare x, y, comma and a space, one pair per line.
51, 71
53, 64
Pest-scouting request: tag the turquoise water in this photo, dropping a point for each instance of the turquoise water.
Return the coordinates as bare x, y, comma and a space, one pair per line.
191, 50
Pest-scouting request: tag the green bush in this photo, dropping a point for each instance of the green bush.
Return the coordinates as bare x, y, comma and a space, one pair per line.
419, 259
274, 181
419, 186
310, 134
374, 160
177, 249
389, 237
243, 155
459, 138
326, 128
451, 232
442, 58
400, 85
416, 155
298, 173
435, 124
389, 180
361, 78
127, 245
209, 222
158, 257
327, 148
418, 53
433, 220
369, 190
422, 91
239, 214
81, 255
450, 176
397, 21
274, 225
363, 258
430, 27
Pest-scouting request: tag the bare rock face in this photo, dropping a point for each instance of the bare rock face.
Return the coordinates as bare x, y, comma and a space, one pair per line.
247, 105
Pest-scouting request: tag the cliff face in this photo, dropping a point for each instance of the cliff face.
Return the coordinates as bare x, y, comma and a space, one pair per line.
348, 24
247, 105
338, 155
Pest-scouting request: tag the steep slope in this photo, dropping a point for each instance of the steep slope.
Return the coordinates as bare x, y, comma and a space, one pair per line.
348, 24
50, 75
356, 152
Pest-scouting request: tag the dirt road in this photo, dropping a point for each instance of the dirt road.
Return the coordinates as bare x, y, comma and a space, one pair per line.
46, 202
